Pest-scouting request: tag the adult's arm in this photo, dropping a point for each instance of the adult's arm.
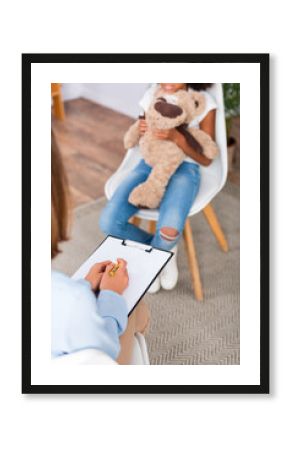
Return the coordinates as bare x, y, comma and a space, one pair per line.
98, 323
81, 321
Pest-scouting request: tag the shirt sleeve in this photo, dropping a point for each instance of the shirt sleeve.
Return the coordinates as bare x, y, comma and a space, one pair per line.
81, 321
147, 97
99, 324
112, 308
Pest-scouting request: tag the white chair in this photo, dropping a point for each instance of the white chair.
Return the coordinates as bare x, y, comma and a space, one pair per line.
93, 356
213, 179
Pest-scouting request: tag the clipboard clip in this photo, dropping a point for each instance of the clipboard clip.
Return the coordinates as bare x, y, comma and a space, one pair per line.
134, 244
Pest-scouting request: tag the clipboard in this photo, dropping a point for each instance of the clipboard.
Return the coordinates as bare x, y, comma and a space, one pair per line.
144, 264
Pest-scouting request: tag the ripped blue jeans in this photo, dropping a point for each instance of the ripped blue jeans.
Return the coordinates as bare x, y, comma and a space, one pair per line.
175, 205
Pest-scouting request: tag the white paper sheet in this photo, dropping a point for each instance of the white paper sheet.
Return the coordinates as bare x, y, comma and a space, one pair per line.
142, 266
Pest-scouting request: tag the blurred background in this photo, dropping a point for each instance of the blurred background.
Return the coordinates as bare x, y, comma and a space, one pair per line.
90, 121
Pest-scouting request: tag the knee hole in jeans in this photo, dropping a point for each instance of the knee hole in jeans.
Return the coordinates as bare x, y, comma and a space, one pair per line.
169, 234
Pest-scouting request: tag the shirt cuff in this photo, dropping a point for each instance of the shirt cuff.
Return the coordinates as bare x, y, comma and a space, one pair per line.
111, 304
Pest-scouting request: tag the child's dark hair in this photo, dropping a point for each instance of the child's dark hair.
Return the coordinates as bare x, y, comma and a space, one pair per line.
199, 86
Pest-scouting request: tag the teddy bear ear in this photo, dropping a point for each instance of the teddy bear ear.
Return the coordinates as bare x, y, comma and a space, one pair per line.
198, 103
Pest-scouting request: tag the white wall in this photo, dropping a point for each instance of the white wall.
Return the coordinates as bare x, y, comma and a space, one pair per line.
71, 91
122, 97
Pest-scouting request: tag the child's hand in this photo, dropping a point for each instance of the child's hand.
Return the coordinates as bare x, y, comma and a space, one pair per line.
95, 274
143, 127
167, 135
119, 281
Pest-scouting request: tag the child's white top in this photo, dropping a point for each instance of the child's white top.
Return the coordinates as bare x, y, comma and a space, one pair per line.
210, 104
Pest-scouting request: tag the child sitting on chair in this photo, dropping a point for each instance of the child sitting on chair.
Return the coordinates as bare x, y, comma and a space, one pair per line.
180, 193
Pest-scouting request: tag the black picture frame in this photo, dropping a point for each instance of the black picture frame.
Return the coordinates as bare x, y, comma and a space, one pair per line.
263, 61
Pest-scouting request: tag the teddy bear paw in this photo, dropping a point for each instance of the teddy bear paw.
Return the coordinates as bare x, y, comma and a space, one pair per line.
128, 143
212, 150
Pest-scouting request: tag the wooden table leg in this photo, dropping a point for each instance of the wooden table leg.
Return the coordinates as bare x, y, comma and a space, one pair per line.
193, 263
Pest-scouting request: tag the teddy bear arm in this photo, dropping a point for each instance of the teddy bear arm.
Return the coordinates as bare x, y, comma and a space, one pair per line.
209, 147
132, 136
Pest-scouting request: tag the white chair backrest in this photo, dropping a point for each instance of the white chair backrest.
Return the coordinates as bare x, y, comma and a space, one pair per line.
216, 91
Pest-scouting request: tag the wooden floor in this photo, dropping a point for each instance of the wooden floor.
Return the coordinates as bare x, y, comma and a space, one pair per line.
91, 142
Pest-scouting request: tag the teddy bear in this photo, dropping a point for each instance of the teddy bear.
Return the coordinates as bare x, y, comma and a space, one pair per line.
164, 156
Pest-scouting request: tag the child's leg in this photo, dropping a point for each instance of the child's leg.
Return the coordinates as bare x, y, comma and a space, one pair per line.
176, 203
137, 323
114, 217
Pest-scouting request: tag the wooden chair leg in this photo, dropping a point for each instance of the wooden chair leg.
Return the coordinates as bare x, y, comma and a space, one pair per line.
193, 263
152, 226
136, 221
213, 222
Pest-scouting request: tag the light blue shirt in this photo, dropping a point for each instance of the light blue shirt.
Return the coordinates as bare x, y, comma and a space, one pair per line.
80, 320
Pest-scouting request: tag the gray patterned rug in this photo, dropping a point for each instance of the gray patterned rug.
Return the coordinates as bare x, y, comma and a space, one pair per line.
182, 330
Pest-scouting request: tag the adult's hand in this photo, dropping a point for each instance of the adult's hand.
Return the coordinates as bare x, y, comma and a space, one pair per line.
95, 274
119, 281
